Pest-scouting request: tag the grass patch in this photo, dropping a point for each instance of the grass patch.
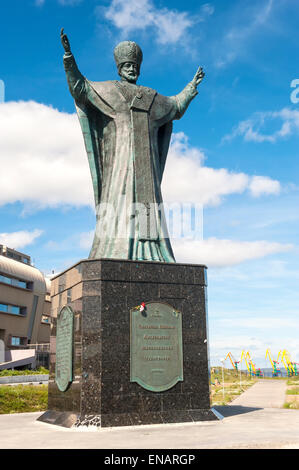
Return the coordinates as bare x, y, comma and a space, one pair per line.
292, 405
279, 377
293, 389
230, 375
293, 380
23, 398
10, 372
231, 385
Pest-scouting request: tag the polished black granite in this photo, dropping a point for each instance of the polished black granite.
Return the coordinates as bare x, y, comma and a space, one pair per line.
101, 294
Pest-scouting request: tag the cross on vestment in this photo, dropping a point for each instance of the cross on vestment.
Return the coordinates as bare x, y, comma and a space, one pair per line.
140, 103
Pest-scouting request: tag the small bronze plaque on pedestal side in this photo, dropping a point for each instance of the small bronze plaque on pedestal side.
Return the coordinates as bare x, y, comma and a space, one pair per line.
156, 355
64, 348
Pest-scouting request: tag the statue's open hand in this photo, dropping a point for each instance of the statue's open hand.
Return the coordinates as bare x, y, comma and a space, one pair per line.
198, 77
64, 40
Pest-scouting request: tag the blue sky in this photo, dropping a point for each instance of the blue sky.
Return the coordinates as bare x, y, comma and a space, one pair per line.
237, 145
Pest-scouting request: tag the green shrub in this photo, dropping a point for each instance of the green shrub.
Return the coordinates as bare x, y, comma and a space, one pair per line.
10, 372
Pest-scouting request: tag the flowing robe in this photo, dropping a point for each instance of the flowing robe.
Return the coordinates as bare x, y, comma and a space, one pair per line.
127, 130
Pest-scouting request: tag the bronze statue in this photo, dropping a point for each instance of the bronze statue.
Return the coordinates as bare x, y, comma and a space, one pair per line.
127, 130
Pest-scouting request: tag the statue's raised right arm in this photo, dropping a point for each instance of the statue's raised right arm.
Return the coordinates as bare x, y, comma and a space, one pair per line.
76, 81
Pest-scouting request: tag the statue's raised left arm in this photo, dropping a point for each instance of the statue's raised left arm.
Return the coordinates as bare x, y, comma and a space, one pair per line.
185, 97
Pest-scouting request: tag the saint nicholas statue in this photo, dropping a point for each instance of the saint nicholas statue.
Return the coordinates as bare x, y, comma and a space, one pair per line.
127, 129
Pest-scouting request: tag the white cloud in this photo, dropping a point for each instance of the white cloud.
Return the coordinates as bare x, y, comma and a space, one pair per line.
236, 343
44, 158
85, 240
263, 185
19, 239
128, 16
215, 252
249, 21
212, 252
186, 179
170, 26
251, 129
45, 163
207, 9
270, 274
72, 242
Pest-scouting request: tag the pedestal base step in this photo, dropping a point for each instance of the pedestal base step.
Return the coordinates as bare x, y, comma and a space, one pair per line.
73, 420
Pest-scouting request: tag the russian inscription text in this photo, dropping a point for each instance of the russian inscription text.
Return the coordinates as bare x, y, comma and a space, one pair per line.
156, 359
64, 349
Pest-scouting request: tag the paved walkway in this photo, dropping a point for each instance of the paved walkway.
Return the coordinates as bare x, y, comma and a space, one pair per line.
264, 394
244, 426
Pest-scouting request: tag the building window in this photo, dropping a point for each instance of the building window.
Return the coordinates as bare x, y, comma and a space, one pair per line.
15, 341
18, 341
13, 309
15, 282
18, 257
46, 319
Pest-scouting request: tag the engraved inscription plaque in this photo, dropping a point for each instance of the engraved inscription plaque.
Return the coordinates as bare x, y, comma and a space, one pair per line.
64, 349
156, 355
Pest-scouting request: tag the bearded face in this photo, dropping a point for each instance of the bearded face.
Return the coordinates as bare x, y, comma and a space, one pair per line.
129, 71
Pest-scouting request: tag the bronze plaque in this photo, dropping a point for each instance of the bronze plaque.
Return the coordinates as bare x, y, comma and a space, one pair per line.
156, 346
64, 349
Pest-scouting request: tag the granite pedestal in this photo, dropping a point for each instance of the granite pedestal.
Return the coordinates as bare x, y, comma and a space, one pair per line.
101, 294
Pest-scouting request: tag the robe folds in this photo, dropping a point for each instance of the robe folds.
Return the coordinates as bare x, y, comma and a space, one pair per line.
127, 130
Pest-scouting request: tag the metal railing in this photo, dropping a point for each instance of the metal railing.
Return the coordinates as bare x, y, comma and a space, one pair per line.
39, 347
42, 354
